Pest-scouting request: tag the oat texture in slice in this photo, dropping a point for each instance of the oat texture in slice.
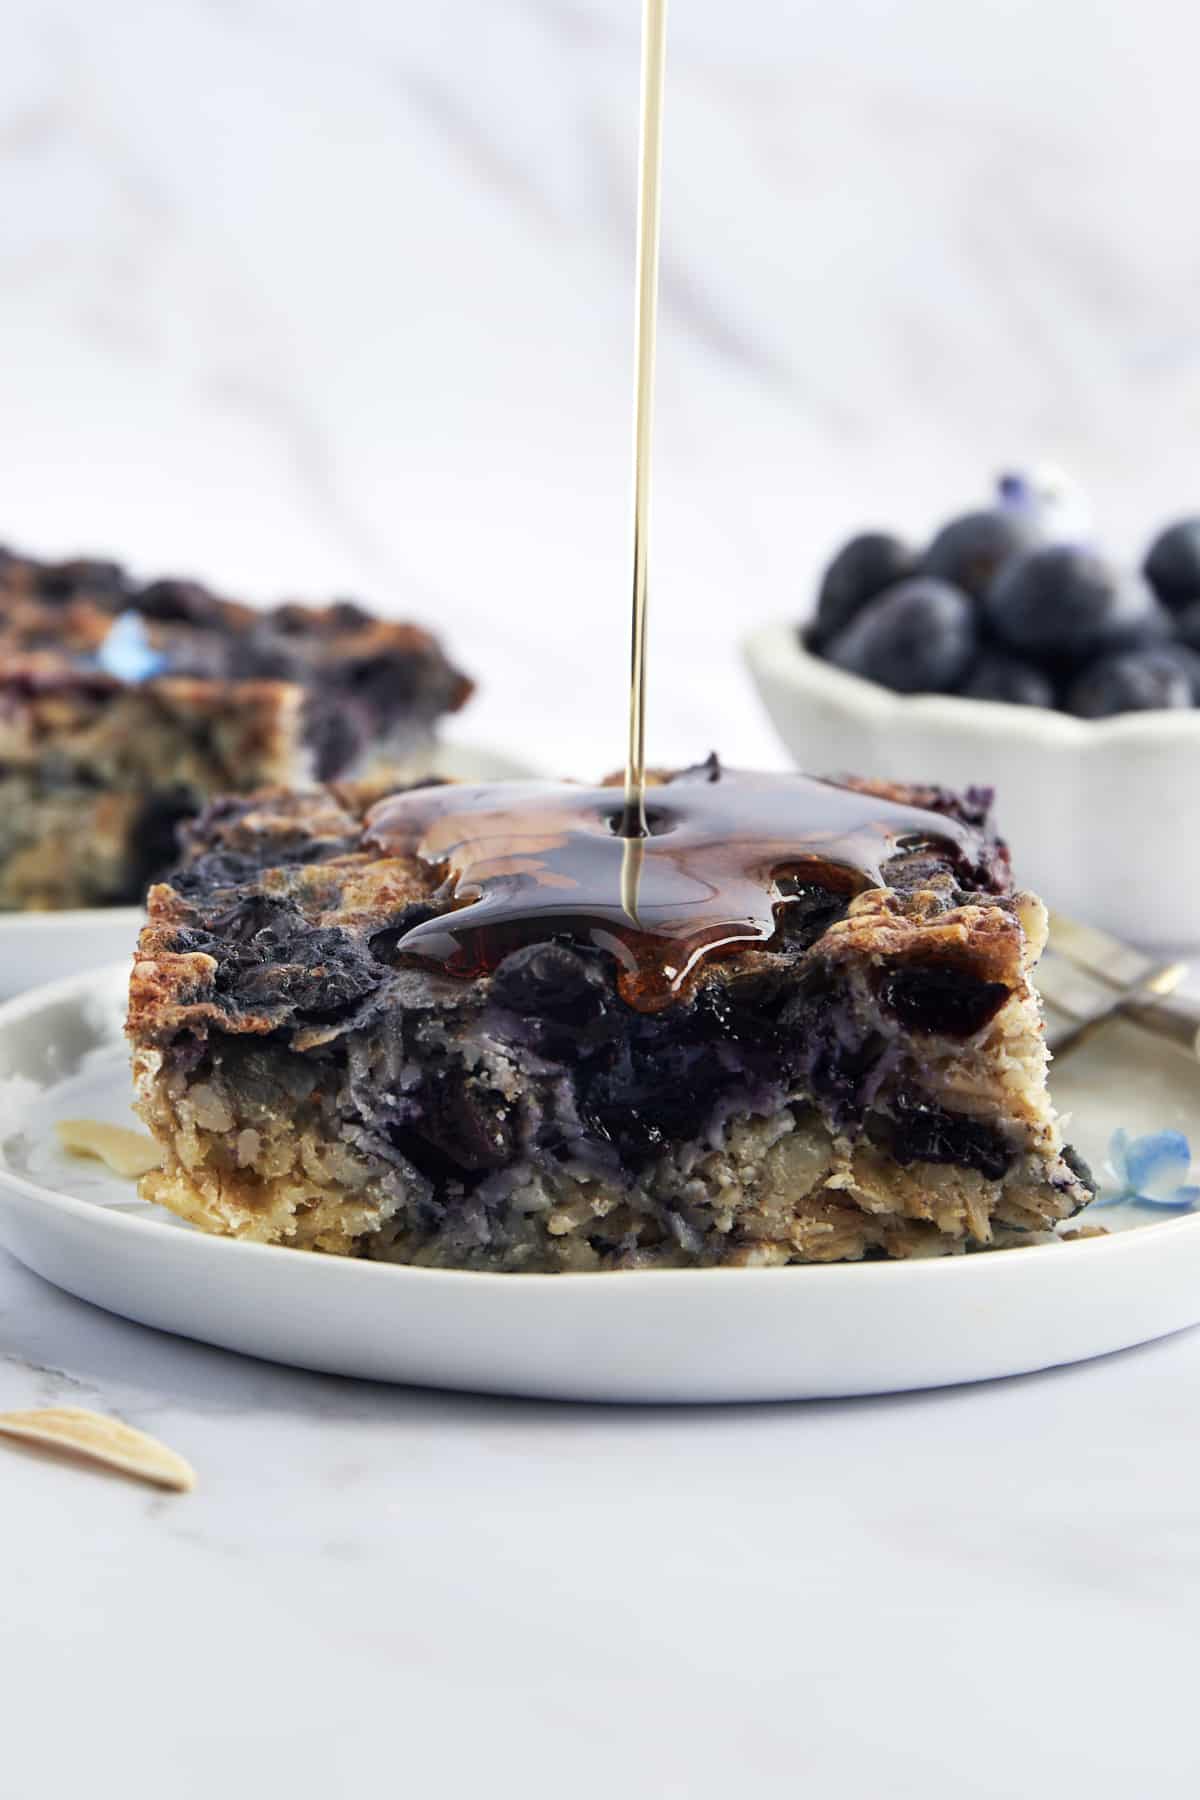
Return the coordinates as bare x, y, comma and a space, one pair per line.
126, 1152
102, 1440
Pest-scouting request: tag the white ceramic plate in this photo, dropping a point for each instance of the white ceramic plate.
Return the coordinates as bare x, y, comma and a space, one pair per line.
39, 947
704, 1335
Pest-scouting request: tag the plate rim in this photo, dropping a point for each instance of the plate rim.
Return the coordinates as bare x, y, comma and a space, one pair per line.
912, 1270
72, 917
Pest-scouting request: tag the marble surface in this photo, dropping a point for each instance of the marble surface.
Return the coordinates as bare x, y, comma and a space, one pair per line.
987, 1591
337, 299
309, 299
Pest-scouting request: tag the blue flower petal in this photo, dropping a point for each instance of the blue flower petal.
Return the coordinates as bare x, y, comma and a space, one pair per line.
1117, 1169
1158, 1163
127, 651
1181, 1199
1118, 1156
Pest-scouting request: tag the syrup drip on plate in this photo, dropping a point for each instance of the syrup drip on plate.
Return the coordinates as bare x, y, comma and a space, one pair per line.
530, 861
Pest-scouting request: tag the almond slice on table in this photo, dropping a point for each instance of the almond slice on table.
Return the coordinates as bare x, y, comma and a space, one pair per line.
126, 1152
102, 1440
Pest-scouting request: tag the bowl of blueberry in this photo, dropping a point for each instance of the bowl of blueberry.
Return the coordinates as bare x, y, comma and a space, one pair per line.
1012, 653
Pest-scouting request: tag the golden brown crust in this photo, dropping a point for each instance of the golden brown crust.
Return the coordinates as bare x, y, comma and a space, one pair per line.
984, 940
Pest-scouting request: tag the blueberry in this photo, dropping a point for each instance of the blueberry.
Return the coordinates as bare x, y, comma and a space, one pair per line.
861, 569
82, 575
970, 552
542, 978
294, 619
998, 676
336, 729
1153, 629
348, 615
1064, 604
917, 638
1172, 565
472, 1125
1188, 659
1139, 681
260, 916
290, 618
318, 971
925, 1133
1187, 625
260, 655
177, 602
947, 1000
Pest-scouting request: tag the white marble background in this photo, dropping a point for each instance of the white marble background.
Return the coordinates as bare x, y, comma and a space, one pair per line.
308, 298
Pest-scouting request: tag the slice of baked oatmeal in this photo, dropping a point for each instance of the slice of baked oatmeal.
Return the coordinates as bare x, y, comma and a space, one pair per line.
422, 1029
123, 708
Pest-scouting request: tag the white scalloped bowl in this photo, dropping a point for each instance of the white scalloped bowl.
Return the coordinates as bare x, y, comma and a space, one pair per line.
1103, 816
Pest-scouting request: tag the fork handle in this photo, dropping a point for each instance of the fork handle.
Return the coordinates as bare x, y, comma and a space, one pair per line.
1175, 1017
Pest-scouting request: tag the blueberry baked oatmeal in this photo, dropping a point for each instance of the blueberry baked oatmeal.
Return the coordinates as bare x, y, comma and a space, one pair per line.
124, 707
425, 1027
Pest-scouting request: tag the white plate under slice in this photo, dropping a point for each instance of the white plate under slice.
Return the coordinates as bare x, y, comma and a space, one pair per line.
44, 946
681, 1335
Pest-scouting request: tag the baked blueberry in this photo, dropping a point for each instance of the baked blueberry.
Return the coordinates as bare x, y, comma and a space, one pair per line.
998, 676
542, 978
969, 552
1172, 565
1065, 604
1138, 681
82, 575
861, 569
177, 602
917, 638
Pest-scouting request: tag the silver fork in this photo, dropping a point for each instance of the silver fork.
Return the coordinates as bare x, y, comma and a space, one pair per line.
1087, 977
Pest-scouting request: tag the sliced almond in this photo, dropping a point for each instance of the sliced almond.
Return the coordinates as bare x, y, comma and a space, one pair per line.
131, 1153
103, 1440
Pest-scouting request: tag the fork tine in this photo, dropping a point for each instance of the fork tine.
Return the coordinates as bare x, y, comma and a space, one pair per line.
1086, 977
1116, 963
1072, 988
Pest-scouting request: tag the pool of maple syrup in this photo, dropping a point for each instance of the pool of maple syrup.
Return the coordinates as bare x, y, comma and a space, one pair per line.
531, 861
